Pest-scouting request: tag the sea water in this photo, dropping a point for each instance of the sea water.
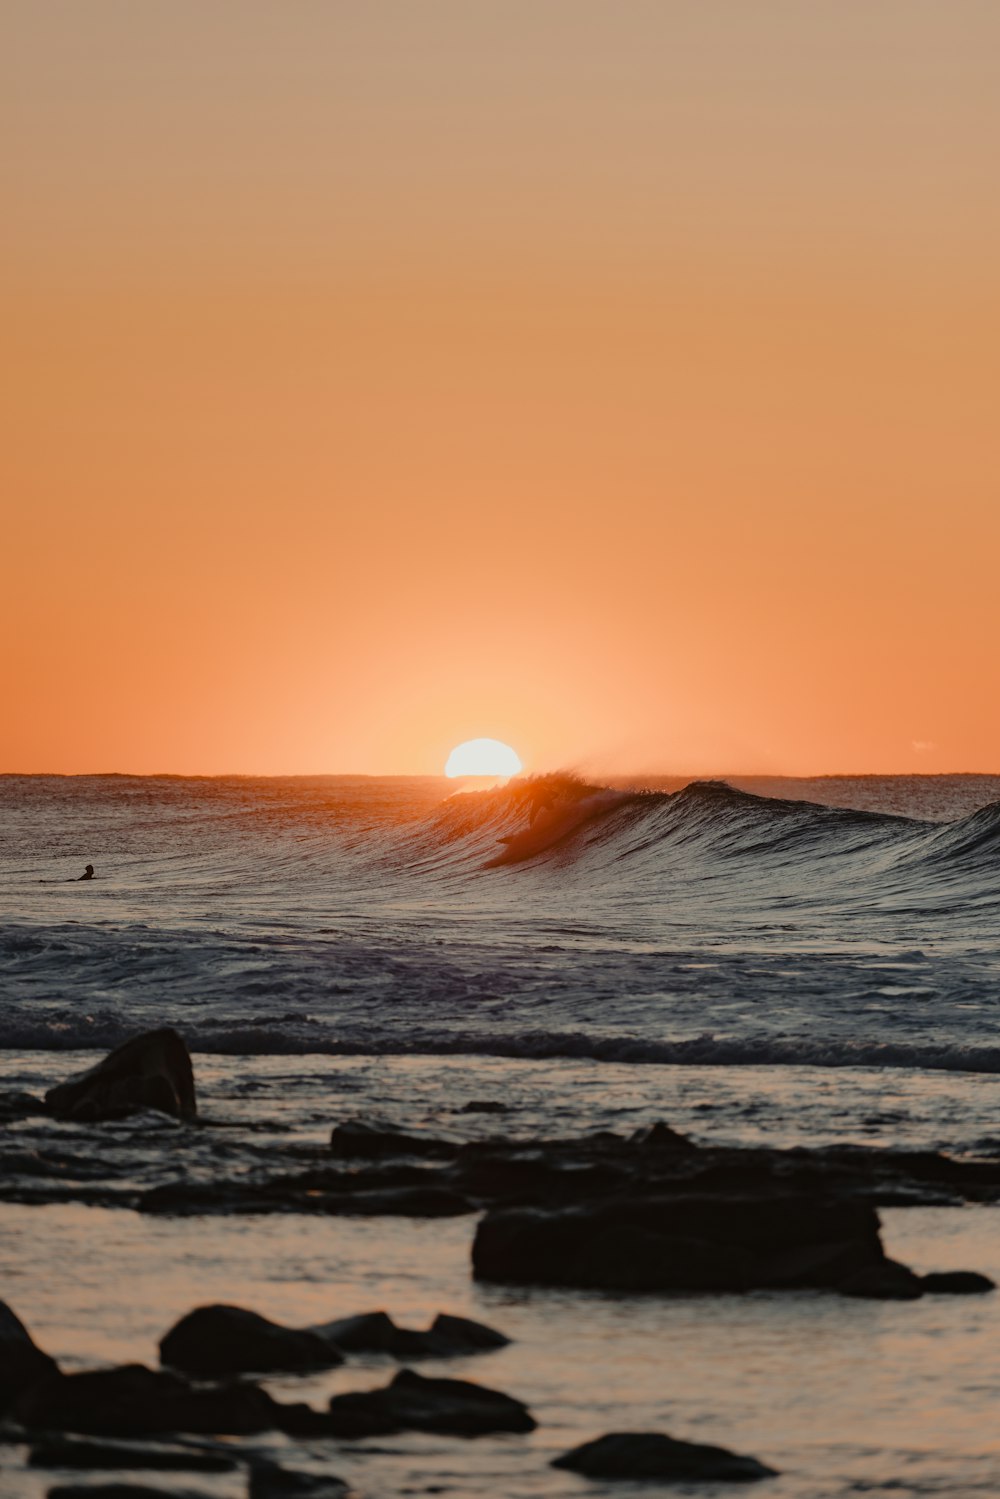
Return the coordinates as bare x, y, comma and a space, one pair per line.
786, 963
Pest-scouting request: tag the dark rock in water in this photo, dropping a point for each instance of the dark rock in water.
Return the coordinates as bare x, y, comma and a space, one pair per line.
14, 1106
22, 1362
460, 1335
447, 1337
400, 1202
67, 1452
650, 1455
230, 1340
889, 1281
692, 1242
413, 1403
118, 1491
151, 1071
269, 1481
135, 1401
356, 1137
957, 1283
660, 1136
484, 1106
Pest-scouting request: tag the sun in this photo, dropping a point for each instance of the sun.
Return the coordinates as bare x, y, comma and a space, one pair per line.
483, 757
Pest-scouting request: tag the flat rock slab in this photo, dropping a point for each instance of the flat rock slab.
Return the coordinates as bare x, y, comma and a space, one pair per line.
682, 1242
218, 1340
270, 1481
120, 1491
151, 1071
650, 1455
65, 1452
135, 1401
412, 1403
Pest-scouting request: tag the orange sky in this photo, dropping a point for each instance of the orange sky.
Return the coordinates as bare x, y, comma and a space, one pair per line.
616, 380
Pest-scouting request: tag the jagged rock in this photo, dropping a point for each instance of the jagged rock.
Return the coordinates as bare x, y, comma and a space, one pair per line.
447, 1337
151, 1071
22, 1362
957, 1283
135, 1401
413, 1403
269, 1481
889, 1281
356, 1137
691, 1242
231, 1340
67, 1452
660, 1136
651, 1455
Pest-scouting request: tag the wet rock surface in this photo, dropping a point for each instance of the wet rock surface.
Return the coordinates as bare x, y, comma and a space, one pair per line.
271, 1481
133, 1401
456, 1407
447, 1337
150, 1071
683, 1242
648, 1455
22, 1362
70, 1452
214, 1340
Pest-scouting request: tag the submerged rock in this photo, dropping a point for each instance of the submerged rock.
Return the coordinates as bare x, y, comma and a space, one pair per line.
356, 1137
230, 1340
889, 1281
22, 1362
651, 1455
135, 1401
412, 1403
957, 1283
447, 1337
68, 1452
269, 1481
151, 1071
692, 1242
119, 1491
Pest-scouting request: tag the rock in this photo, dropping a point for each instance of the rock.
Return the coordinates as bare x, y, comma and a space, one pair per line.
151, 1071
22, 1362
66, 1452
355, 1137
118, 1491
447, 1337
957, 1283
651, 1455
135, 1401
14, 1106
269, 1481
889, 1281
483, 1106
217, 1339
400, 1202
412, 1403
660, 1136
681, 1242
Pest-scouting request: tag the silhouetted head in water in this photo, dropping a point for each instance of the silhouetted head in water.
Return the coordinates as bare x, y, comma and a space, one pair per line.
88, 873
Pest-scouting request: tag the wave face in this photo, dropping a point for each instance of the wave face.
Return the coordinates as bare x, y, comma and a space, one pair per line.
849, 923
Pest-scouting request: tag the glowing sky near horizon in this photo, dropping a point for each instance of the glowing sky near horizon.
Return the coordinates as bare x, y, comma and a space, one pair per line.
618, 381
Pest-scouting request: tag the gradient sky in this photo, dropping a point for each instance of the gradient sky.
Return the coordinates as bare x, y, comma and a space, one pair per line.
616, 378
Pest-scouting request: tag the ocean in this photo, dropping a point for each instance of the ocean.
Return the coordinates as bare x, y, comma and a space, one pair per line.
756, 961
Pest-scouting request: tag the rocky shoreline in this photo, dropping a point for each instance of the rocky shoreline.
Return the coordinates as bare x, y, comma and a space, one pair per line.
650, 1212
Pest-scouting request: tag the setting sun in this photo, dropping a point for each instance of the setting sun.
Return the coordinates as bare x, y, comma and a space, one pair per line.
483, 757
